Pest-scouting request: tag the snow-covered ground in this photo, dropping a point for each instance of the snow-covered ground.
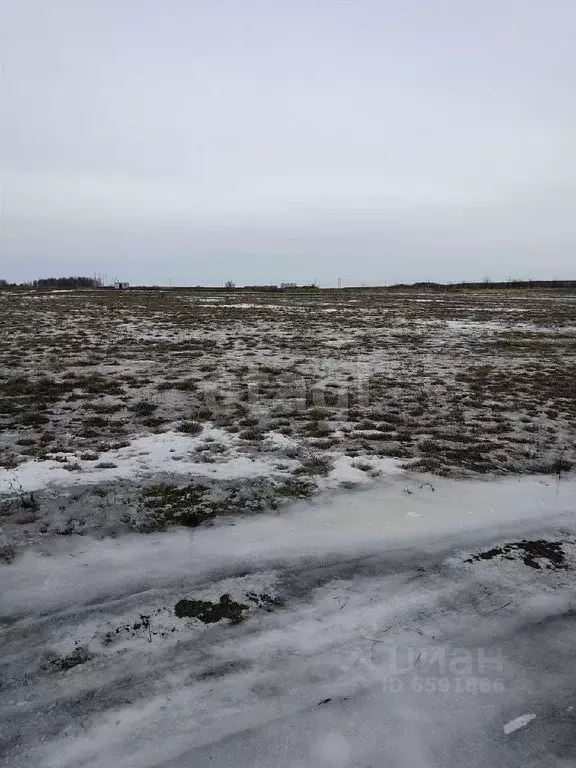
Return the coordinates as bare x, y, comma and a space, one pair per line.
371, 636
340, 602
144, 456
174, 454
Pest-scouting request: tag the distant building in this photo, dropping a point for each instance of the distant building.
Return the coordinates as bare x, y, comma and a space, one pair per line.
121, 286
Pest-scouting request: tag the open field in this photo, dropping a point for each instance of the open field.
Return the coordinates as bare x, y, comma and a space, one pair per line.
363, 470
472, 382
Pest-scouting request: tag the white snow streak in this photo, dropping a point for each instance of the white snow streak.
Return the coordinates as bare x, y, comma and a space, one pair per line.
519, 722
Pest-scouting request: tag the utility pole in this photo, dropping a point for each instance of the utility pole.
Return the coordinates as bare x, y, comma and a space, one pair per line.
339, 283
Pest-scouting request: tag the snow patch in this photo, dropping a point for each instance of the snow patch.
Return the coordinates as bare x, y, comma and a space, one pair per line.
519, 722
170, 452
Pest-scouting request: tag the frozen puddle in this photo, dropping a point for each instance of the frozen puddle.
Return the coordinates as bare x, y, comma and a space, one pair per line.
369, 638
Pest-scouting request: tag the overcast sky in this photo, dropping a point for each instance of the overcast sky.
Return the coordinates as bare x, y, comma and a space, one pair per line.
297, 140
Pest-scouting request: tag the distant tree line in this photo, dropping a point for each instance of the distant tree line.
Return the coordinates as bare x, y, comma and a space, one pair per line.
66, 282
488, 284
55, 282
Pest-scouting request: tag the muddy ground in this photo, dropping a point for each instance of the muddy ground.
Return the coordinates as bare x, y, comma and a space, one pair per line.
151, 402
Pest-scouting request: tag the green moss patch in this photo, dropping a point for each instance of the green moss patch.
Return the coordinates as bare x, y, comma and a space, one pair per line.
210, 613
